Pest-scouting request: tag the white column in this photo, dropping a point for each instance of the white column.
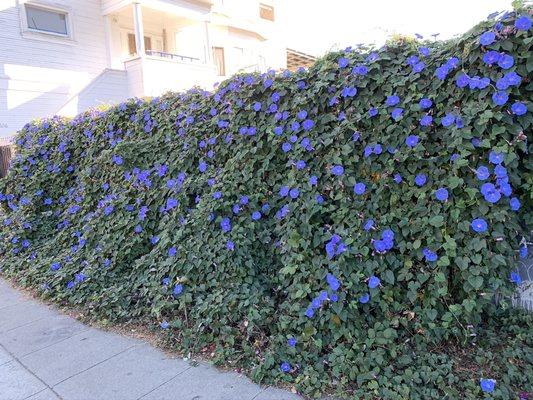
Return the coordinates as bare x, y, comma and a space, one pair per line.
139, 29
108, 40
208, 51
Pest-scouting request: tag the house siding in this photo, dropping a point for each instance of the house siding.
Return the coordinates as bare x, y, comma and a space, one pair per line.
38, 75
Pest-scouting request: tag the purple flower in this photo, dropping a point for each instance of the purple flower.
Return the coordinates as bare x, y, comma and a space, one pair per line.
256, 215
291, 342
178, 289
496, 158
397, 113
518, 108
308, 124
429, 255
487, 38
365, 298
425, 103
373, 282
230, 245
257, 106
506, 61
487, 385
392, 100
514, 203
523, 23
285, 367
343, 62
482, 173
333, 282
515, 278
479, 225
337, 170
294, 193
398, 178
420, 179
411, 140
441, 194
500, 98
359, 188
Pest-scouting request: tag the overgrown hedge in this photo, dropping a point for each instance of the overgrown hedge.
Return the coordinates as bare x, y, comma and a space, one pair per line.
342, 229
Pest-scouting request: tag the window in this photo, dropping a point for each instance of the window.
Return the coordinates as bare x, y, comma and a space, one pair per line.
266, 12
132, 47
46, 20
218, 55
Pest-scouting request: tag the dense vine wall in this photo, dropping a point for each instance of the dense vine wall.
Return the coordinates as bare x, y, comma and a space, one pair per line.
313, 224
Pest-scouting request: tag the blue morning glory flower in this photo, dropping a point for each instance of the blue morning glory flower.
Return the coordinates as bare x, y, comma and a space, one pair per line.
55, 266
505, 61
411, 140
496, 158
482, 173
398, 178
349, 91
291, 342
518, 108
117, 159
425, 103
426, 120
225, 224
373, 282
333, 282
313, 180
392, 100
397, 113
359, 188
300, 164
256, 215
500, 98
164, 325
286, 147
479, 225
360, 70
490, 193
487, 38
319, 199
308, 124
523, 23
491, 57
515, 278
230, 245
278, 130
284, 191
178, 289
294, 193
514, 203
172, 251
337, 170
343, 62
369, 224
202, 166
441, 194
71, 284
420, 179
487, 385
372, 112
365, 298
257, 106
429, 255
309, 312
523, 252
448, 120
285, 367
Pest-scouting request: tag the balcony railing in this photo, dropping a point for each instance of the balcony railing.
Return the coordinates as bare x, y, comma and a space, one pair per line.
172, 56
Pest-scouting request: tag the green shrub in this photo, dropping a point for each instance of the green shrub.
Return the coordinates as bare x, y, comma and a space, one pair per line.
238, 219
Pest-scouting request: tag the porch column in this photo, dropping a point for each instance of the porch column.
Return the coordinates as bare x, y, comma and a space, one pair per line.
139, 29
208, 51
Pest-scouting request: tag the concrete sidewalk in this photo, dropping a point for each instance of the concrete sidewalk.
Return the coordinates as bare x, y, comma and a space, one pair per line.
48, 356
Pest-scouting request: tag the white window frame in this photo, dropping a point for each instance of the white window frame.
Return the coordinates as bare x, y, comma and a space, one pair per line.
45, 35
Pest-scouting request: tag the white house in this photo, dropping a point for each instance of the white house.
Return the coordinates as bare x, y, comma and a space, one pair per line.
64, 56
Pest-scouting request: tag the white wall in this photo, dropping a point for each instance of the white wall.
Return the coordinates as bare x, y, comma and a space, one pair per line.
38, 73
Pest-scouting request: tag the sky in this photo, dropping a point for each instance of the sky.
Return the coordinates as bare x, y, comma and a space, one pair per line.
317, 26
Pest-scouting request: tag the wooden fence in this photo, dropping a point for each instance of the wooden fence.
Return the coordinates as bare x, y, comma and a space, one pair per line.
6, 152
